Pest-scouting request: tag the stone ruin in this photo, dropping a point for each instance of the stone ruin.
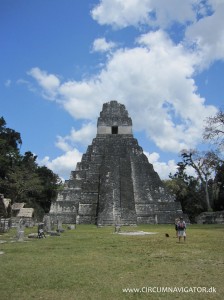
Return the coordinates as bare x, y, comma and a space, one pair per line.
216, 217
114, 183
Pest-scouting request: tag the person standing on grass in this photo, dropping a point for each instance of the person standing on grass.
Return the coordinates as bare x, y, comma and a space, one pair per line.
181, 226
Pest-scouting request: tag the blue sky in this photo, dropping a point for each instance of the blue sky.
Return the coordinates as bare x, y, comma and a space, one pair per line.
60, 60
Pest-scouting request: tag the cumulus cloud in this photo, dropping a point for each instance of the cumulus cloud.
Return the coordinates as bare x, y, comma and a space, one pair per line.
101, 45
170, 11
63, 164
82, 136
160, 13
77, 97
48, 82
162, 168
121, 13
66, 162
207, 36
154, 79
155, 82
82, 99
201, 19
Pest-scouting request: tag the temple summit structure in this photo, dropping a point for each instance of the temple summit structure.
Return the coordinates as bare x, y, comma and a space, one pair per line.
114, 183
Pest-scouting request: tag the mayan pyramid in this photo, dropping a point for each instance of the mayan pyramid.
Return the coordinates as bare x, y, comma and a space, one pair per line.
114, 182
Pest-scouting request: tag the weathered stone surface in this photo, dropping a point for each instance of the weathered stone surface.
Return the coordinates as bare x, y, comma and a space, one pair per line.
71, 227
114, 183
216, 217
33, 235
20, 235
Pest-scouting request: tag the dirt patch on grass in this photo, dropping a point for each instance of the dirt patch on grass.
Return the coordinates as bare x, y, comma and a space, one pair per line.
137, 233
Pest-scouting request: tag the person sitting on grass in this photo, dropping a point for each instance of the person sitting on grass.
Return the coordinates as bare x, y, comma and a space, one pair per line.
181, 226
40, 231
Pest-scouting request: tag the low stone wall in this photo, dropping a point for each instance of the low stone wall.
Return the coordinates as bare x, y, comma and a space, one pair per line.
66, 217
211, 218
4, 225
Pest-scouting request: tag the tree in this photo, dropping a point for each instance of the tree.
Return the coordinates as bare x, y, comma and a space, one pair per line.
218, 188
21, 183
9, 137
50, 183
214, 129
204, 165
187, 191
10, 141
21, 179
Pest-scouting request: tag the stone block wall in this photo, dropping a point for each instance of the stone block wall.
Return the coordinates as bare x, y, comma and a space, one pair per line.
211, 218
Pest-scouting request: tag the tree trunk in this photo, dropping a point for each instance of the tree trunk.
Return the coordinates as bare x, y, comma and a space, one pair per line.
207, 196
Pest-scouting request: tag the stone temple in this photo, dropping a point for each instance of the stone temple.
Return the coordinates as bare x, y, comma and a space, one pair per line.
114, 183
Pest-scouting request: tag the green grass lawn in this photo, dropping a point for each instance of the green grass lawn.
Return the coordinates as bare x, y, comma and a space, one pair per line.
95, 263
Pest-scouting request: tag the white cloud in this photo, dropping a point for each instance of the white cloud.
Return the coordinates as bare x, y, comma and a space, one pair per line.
77, 97
66, 163
48, 82
31, 87
161, 13
155, 82
154, 79
207, 35
146, 78
101, 45
63, 164
63, 144
202, 21
83, 136
162, 168
170, 11
82, 99
121, 13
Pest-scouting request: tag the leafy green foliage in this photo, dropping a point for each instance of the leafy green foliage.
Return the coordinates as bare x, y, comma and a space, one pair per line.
21, 179
188, 192
50, 183
205, 190
204, 165
10, 141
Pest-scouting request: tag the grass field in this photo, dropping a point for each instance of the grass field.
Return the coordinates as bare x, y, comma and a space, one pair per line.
94, 263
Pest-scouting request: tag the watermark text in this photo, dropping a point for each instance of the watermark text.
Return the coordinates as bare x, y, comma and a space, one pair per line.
167, 289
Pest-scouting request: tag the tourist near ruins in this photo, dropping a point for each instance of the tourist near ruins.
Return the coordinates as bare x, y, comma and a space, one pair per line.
114, 183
